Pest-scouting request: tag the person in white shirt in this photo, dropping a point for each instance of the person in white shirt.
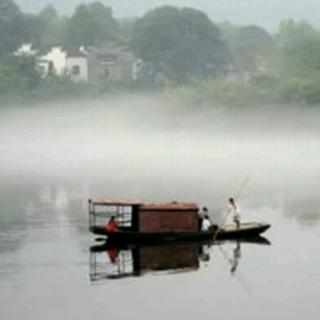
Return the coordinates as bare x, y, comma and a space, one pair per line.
234, 209
206, 224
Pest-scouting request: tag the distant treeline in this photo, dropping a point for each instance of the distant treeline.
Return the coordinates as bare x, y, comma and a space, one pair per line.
183, 53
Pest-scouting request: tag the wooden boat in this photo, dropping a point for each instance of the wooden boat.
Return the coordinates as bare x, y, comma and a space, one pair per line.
141, 222
247, 230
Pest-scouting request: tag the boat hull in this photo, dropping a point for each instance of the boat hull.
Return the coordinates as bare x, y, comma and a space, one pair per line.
123, 236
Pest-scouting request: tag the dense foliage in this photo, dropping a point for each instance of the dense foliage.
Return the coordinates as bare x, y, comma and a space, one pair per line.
252, 47
45, 29
12, 27
90, 25
18, 75
183, 53
180, 43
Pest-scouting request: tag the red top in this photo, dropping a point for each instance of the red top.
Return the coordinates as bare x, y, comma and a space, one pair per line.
112, 225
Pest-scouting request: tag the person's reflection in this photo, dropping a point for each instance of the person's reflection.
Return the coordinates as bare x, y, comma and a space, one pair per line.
112, 255
204, 253
236, 258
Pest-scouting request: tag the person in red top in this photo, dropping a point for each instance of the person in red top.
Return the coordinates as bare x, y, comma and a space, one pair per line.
112, 225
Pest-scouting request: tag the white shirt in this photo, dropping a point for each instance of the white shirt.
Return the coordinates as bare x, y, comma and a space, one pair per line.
234, 209
206, 224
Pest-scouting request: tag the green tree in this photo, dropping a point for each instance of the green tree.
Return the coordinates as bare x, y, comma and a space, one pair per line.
298, 47
291, 32
91, 25
52, 27
18, 75
300, 67
126, 26
302, 58
12, 27
45, 29
180, 43
252, 48
34, 28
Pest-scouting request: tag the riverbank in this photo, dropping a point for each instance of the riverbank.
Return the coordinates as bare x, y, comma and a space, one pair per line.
259, 90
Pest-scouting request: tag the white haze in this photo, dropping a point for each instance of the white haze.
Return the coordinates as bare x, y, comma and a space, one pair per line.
132, 144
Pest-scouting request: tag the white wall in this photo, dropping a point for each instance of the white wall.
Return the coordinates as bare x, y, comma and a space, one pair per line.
58, 58
82, 63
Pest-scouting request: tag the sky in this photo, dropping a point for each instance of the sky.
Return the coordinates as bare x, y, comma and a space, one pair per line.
265, 13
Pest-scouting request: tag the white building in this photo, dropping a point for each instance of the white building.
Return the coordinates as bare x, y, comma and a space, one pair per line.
77, 66
54, 62
61, 63
112, 62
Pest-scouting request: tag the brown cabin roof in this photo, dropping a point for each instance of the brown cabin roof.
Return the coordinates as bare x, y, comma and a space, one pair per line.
117, 202
174, 206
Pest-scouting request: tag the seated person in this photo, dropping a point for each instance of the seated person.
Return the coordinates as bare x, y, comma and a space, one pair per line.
206, 223
201, 216
112, 224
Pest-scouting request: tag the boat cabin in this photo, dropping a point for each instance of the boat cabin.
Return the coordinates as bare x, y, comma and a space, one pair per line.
137, 216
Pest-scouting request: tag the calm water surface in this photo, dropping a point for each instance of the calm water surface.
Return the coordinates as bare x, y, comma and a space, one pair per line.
45, 259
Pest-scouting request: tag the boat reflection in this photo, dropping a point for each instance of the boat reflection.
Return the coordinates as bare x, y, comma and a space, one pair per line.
109, 261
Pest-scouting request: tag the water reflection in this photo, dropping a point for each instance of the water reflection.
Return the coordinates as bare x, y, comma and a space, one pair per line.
234, 260
303, 206
117, 262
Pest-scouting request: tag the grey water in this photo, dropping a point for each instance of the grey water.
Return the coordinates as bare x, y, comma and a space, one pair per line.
53, 158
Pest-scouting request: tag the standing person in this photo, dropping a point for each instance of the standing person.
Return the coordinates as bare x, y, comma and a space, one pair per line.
234, 208
112, 224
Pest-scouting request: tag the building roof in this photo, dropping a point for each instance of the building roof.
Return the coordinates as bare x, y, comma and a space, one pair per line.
75, 53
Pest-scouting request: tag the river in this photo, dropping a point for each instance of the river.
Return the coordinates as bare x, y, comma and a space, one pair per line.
54, 159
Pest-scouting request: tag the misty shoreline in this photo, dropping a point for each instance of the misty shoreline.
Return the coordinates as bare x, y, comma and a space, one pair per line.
135, 131
163, 111
185, 97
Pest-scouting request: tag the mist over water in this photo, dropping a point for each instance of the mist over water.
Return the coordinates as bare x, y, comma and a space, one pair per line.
138, 142
54, 157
